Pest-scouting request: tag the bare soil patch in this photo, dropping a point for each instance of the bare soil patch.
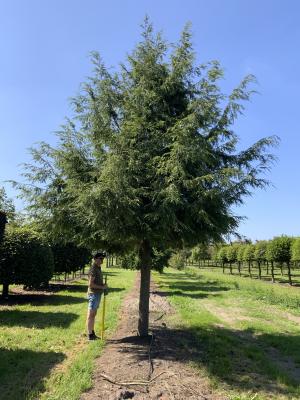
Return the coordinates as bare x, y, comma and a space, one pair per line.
230, 315
153, 368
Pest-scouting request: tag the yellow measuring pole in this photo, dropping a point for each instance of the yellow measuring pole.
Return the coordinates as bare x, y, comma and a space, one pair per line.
103, 311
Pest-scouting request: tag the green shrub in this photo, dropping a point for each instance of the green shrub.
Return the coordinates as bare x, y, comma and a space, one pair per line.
177, 260
129, 261
201, 252
25, 259
69, 257
159, 259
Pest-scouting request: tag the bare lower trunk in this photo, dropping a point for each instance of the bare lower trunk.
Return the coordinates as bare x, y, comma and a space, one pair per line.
249, 269
3, 221
272, 271
145, 260
281, 269
5, 290
289, 273
259, 269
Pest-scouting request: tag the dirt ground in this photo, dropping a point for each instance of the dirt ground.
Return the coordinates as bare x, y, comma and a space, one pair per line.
143, 369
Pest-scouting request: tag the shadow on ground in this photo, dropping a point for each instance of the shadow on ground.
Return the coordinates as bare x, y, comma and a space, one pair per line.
22, 372
50, 297
185, 285
36, 319
242, 360
40, 299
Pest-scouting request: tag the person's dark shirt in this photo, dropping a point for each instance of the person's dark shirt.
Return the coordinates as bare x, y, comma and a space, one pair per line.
96, 273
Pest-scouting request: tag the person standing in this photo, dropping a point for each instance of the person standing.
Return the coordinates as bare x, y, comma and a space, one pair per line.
96, 288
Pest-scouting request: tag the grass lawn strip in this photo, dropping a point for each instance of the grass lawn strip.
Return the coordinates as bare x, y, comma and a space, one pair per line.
241, 347
43, 351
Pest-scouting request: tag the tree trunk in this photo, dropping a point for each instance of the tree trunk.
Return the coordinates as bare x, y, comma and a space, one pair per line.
272, 271
5, 290
230, 268
289, 273
145, 259
239, 268
249, 269
3, 222
259, 269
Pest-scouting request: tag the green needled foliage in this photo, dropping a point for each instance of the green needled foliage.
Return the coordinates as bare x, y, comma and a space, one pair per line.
150, 157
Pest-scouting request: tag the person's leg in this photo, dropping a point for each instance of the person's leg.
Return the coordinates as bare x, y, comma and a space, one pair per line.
91, 320
94, 301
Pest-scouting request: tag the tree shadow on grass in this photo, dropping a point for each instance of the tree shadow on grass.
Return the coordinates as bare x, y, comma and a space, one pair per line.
83, 289
241, 359
36, 319
188, 278
40, 299
50, 298
22, 372
187, 283
182, 294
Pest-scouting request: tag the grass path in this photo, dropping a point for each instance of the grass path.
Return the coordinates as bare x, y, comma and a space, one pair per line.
243, 335
43, 352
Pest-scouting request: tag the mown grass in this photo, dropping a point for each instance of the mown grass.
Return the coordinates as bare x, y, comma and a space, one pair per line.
44, 353
242, 334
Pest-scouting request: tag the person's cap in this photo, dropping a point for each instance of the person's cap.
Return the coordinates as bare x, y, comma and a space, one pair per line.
99, 254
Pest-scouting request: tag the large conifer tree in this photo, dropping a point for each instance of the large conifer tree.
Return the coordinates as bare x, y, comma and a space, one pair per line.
150, 157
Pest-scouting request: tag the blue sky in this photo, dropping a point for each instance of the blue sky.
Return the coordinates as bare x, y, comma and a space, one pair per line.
45, 46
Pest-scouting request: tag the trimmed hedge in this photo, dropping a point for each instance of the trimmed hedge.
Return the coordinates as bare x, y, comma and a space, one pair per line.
69, 257
24, 259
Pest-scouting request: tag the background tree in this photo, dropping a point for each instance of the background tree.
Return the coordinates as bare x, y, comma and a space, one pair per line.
295, 251
240, 256
231, 255
69, 258
177, 260
7, 211
222, 256
201, 252
279, 250
260, 249
150, 157
248, 256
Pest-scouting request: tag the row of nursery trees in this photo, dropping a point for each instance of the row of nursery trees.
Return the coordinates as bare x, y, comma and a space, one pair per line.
282, 251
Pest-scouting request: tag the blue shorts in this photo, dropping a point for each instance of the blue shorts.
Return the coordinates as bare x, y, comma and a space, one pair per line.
94, 301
